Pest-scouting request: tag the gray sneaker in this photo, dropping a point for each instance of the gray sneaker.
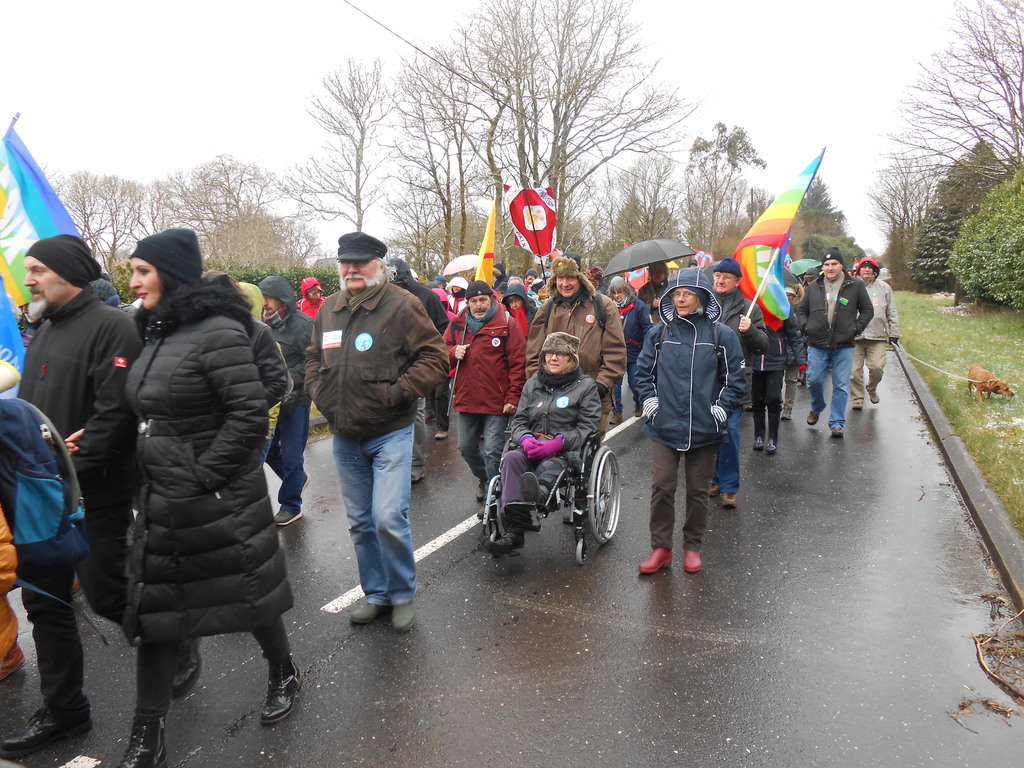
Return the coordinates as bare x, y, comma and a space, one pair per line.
287, 516
365, 613
403, 617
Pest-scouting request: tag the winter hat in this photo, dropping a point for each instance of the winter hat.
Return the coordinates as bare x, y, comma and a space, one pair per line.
833, 254
308, 284
563, 344
478, 288
359, 247
567, 266
596, 275
870, 262
68, 256
729, 265
174, 253
458, 282
103, 288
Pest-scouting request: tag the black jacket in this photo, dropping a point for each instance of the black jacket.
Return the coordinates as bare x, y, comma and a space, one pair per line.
785, 347
205, 558
431, 303
293, 333
74, 372
852, 315
755, 340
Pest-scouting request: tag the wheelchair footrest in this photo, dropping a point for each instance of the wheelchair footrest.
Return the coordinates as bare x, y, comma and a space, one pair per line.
523, 515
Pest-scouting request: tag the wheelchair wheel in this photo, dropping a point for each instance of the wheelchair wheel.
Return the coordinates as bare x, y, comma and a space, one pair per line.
494, 525
581, 551
603, 496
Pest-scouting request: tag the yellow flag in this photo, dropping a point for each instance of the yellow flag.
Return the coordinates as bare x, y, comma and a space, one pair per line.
485, 267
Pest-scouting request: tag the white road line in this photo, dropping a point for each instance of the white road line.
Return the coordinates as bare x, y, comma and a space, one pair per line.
82, 761
341, 603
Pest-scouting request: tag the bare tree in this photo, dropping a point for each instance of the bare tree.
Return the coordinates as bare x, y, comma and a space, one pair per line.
343, 180
434, 147
560, 92
973, 92
106, 209
716, 191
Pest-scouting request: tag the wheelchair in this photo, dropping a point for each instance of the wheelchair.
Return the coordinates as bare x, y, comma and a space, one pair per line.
597, 477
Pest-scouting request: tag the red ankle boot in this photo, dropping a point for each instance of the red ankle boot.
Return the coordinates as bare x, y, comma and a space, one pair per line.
691, 561
660, 558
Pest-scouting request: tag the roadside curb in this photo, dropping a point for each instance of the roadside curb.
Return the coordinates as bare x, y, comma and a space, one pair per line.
993, 521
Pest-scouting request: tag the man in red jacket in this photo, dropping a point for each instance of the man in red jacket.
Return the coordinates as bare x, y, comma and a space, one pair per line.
490, 351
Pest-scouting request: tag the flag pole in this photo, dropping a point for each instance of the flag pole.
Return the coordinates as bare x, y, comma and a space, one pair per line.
763, 283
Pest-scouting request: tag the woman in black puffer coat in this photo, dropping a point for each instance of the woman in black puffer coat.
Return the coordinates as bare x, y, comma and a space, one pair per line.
205, 558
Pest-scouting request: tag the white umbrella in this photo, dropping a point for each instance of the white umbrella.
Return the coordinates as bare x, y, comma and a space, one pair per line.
461, 263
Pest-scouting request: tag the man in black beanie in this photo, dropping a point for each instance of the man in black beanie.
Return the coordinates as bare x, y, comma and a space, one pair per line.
75, 371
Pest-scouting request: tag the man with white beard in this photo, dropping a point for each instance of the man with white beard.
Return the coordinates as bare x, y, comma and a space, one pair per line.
374, 353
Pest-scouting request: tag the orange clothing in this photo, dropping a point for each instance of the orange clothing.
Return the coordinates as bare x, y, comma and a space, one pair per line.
8, 564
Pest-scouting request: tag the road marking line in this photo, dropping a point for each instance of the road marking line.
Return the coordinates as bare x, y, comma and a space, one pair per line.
341, 603
82, 761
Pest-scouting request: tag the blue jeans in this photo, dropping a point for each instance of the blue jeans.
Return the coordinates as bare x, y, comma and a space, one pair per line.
727, 465
375, 487
285, 456
818, 361
483, 459
631, 376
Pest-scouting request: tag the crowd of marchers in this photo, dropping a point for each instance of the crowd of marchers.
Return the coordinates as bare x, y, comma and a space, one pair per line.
170, 406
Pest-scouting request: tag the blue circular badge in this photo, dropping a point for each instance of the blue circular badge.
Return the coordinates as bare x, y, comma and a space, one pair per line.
562, 401
364, 341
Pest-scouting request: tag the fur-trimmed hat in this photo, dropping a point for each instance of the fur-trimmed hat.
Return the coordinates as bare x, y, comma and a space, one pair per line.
563, 344
566, 266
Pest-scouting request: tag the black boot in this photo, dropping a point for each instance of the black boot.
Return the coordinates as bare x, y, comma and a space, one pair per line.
513, 539
758, 430
190, 664
146, 745
773, 432
45, 726
282, 690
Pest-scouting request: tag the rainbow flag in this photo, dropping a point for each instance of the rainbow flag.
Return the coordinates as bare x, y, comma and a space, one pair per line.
485, 267
759, 252
29, 211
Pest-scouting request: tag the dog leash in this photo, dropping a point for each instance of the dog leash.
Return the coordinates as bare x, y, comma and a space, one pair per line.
951, 375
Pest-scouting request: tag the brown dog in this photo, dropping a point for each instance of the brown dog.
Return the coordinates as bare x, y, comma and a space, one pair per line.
982, 381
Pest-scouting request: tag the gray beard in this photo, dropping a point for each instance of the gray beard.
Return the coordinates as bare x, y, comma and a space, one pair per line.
36, 309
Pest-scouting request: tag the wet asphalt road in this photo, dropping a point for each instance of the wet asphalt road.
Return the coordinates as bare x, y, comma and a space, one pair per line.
831, 626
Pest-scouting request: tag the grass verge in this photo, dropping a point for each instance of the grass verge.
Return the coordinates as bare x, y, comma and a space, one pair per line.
952, 339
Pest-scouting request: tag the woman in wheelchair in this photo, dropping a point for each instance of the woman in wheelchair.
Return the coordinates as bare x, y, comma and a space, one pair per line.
559, 408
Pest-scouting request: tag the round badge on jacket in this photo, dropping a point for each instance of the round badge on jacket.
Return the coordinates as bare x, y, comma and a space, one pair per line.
590, 319
495, 342
562, 402
363, 342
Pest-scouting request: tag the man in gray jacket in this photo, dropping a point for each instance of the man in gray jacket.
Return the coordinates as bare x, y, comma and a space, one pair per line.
292, 330
870, 347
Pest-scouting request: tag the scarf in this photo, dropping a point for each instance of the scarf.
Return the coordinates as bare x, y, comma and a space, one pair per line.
579, 296
474, 324
624, 306
559, 380
520, 317
365, 295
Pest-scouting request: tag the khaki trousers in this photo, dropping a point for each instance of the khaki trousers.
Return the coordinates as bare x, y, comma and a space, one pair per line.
870, 353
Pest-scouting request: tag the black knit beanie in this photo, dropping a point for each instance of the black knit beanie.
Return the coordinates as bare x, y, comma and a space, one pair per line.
68, 256
174, 253
478, 288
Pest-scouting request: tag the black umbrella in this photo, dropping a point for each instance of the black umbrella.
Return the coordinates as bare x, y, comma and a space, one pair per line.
647, 252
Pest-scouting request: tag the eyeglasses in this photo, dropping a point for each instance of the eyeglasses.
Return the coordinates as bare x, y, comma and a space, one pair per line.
683, 293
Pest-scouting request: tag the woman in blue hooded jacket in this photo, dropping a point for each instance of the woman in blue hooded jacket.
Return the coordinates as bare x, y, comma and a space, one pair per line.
689, 378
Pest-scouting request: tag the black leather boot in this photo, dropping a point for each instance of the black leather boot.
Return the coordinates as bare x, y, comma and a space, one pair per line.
46, 726
773, 432
146, 745
513, 539
282, 690
190, 664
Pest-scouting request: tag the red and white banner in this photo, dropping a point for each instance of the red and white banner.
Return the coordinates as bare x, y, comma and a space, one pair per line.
533, 218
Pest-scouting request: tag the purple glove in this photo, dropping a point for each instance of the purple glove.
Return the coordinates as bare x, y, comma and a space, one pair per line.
543, 450
529, 443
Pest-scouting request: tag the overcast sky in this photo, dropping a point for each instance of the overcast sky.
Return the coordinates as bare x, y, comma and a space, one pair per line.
140, 90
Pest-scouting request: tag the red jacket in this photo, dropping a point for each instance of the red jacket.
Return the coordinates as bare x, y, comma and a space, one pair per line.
493, 372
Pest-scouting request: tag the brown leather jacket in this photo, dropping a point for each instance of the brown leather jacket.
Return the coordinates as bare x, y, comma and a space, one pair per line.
366, 370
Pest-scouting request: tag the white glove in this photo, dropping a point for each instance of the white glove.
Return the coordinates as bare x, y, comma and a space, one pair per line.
650, 407
719, 413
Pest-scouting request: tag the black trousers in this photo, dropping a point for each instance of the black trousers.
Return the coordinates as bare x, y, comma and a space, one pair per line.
54, 625
157, 663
